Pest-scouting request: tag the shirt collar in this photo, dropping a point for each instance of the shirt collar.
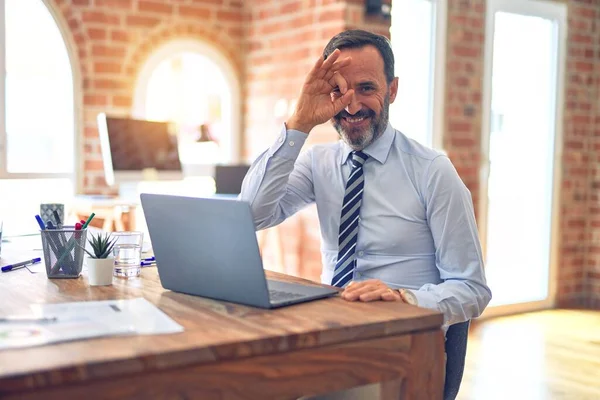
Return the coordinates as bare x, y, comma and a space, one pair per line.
379, 149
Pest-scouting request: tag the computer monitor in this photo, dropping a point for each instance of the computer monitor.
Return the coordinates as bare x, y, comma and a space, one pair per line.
134, 150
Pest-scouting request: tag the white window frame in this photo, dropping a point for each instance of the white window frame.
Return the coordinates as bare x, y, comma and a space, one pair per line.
437, 85
559, 13
76, 175
177, 46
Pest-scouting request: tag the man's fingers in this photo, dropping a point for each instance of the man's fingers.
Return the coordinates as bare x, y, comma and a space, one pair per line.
373, 295
316, 68
353, 285
342, 102
341, 63
391, 295
359, 289
330, 60
338, 81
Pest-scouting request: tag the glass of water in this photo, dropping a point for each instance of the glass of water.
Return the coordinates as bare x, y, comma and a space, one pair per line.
128, 254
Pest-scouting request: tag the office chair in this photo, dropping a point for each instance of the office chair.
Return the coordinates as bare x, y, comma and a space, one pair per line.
229, 178
456, 350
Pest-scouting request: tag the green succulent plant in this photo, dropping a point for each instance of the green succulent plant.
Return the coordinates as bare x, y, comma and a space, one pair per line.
102, 245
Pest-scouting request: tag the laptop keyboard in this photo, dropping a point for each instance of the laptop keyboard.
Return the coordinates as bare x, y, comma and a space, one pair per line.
279, 295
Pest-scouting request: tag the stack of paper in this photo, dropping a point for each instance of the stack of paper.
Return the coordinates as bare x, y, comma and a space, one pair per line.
83, 320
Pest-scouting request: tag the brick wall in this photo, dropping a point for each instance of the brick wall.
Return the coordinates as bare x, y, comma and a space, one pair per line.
581, 189
113, 39
578, 125
464, 82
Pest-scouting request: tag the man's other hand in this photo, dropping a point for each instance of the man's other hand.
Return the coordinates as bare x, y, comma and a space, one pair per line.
370, 290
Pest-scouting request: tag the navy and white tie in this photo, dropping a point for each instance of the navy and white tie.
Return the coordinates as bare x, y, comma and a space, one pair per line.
346, 260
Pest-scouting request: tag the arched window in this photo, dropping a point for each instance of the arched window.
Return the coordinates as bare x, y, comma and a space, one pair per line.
193, 85
37, 118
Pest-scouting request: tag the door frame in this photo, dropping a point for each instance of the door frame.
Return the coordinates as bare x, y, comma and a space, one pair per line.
557, 12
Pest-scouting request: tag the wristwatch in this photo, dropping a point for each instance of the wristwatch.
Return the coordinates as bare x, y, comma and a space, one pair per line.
409, 297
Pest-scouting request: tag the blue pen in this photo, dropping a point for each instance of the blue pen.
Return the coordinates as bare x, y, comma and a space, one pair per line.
40, 222
149, 259
13, 267
148, 264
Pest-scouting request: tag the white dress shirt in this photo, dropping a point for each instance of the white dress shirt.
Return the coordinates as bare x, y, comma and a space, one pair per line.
417, 227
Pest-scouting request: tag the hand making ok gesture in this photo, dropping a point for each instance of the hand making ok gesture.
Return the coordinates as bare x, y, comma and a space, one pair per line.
316, 105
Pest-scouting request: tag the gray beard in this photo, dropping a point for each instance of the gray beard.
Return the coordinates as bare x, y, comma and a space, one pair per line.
372, 133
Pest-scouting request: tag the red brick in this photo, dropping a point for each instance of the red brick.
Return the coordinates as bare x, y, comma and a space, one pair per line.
108, 51
107, 67
94, 165
119, 36
194, 11
291, 7
331, 15
141, 21
464, 51
97, 33
121, 101
100, 17
229, 16
121, 4
108, 84
155, 7
95, 100
90, 132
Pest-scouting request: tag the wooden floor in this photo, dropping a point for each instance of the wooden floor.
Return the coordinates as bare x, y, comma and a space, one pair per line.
544, 355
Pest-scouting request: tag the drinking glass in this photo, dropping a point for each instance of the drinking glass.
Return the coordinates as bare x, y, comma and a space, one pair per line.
0, 237
128, 254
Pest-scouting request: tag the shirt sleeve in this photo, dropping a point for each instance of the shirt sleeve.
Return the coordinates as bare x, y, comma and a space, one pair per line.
464, 293
279, 182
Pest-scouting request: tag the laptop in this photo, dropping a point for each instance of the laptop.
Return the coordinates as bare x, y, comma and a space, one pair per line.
207, 247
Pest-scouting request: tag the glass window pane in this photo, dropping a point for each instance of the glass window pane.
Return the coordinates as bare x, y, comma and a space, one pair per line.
190, 90
39, 92
524, 92
413, 42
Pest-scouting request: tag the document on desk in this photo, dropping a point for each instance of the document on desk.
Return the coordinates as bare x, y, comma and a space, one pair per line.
53, 323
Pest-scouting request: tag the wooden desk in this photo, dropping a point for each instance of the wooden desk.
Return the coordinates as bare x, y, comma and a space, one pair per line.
227, 351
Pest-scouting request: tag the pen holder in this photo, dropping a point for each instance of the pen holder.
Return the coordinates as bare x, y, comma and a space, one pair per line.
63, 252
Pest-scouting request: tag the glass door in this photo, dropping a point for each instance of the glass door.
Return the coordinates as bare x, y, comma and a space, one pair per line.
522, 120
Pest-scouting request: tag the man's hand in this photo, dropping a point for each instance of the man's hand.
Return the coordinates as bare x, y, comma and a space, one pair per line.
370, 290
315, 104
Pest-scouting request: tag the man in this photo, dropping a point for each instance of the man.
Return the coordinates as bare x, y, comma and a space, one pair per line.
397, 222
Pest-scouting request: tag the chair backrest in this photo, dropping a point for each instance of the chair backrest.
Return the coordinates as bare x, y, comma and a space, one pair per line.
229, 178
456, 350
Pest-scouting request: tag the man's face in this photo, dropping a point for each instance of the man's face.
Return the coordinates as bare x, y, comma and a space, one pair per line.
366, 117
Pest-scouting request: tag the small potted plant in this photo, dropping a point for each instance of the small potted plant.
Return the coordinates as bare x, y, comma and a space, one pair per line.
101, 261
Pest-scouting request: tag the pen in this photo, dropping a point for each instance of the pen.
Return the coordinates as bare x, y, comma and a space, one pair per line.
149, 259
17, 318
57, 219
148, 264
40, 222
12, 267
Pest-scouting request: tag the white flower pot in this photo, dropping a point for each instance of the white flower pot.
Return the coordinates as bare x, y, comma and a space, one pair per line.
100, 271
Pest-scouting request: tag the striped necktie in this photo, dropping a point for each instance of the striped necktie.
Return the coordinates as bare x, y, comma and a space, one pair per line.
346, 260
